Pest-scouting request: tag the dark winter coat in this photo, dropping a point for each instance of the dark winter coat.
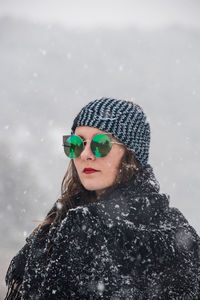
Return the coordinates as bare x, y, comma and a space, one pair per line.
131, 246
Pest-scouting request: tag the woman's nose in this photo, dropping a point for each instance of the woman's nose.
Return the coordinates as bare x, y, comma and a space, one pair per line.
87, 153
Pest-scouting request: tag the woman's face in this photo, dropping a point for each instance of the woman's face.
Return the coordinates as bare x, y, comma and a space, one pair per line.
106, 167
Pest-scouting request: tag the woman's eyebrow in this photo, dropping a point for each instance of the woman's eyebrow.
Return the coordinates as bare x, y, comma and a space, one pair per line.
82, 137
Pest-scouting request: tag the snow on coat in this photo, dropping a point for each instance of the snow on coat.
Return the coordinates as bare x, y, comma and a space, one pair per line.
129, 246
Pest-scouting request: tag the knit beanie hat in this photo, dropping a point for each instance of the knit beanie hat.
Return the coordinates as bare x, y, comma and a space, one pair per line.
123, 119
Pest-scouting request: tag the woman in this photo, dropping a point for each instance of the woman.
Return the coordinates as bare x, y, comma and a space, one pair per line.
111, 235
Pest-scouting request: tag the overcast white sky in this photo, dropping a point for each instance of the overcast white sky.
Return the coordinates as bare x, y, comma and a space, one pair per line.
114, 13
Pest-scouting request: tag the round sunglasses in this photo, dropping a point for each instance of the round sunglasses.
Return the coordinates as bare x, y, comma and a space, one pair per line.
101, 145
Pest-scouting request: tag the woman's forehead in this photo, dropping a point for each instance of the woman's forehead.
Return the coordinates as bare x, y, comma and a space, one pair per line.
87, 131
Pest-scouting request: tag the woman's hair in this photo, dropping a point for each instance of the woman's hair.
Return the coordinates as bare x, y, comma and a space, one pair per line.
73, 193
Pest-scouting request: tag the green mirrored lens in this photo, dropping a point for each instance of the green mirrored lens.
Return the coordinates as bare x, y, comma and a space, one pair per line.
73, 146
101, 145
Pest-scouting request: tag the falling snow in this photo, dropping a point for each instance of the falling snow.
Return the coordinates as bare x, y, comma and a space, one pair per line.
130, 245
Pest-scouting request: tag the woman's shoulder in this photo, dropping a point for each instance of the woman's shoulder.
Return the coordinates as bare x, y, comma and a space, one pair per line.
15, 272
183, 232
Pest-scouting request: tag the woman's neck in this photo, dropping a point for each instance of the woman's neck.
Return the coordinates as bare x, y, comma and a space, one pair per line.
100, 193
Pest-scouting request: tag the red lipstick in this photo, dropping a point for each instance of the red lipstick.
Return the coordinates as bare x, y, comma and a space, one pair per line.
89, 171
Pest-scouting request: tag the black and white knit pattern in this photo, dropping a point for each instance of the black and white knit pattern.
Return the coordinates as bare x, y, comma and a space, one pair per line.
123, 119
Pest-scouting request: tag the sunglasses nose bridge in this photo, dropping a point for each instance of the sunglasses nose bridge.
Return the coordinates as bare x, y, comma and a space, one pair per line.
87, 152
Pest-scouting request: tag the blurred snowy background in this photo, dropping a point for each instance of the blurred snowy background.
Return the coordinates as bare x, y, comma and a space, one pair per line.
55, 56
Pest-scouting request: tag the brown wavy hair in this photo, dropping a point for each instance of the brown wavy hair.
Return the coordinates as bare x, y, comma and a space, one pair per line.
73, 193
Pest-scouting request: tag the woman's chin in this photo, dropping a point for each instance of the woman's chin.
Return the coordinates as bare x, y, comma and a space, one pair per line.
94, 186
91, 187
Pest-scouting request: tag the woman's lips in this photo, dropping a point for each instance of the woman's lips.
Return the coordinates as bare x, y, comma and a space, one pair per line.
89, 171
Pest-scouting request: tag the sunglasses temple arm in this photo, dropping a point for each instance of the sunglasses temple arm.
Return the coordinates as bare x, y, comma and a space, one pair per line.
117, 143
